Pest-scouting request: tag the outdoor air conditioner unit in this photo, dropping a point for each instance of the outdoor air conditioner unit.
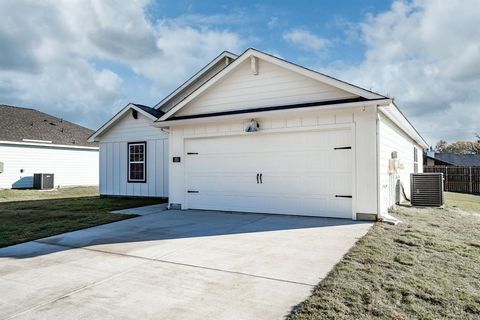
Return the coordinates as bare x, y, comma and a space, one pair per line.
426, 189
1, 167
43, 181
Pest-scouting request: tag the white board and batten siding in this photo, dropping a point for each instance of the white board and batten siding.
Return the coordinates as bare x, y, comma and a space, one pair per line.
272, 86
352, 172
284, 149
114, 158
70, 166
392, 138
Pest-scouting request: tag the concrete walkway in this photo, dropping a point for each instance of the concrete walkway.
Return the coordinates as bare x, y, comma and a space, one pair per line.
143, 211
174, 265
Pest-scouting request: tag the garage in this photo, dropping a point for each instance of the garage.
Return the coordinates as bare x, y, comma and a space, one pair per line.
306, 172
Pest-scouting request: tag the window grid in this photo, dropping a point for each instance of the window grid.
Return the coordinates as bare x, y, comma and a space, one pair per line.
137, 162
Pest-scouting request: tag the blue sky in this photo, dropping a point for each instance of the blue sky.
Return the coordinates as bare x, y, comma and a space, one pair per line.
84, 60
264, 25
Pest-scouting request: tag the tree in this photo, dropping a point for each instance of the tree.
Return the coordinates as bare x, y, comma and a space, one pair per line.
476, 145
459, 147
441, 146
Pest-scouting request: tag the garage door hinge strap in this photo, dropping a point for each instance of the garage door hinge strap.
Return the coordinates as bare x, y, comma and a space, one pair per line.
192, 152
192, 191
342, 148
342, 196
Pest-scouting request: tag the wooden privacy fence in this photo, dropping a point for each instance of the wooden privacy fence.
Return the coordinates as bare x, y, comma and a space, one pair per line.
458, 179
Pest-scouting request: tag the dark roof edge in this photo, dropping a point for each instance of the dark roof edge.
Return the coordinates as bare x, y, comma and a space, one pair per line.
272, 108
154, 112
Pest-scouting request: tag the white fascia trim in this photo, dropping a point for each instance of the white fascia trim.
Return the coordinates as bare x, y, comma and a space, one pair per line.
393, 113
282, 63
115, 118
49, 145
260, 114
224, 55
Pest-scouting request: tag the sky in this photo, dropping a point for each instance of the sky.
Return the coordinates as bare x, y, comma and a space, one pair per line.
84, 60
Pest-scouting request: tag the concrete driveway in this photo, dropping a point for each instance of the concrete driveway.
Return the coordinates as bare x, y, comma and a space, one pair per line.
174, 265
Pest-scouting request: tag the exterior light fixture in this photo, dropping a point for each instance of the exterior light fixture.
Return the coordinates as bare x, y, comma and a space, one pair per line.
252, 126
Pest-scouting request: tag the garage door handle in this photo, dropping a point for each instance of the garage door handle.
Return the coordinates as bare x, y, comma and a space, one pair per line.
261, 178
257, 177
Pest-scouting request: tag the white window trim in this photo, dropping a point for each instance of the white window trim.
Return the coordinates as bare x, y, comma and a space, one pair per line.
415, 159
144, 162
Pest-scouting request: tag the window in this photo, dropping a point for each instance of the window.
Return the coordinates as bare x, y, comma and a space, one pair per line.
415, 160
137, 152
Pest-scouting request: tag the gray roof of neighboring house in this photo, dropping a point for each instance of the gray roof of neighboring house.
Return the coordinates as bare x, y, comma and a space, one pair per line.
467, 160
17, 124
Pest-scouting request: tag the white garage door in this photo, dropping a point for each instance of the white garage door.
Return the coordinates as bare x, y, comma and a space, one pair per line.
305, 173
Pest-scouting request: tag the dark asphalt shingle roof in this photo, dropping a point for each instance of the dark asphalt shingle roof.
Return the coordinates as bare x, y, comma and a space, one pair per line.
467, 160
18, 123
152, 111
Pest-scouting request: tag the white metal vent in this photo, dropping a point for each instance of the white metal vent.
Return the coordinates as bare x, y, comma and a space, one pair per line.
426, 189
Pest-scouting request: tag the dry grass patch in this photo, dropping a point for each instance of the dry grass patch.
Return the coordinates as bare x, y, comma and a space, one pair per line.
425, 268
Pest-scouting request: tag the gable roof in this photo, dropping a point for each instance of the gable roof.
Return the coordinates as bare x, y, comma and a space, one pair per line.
154, 112
151, 113
393, 112
184, 86
279, 62
467, 160
25, 125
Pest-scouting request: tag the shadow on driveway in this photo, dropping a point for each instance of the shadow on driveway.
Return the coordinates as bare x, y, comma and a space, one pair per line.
170, 225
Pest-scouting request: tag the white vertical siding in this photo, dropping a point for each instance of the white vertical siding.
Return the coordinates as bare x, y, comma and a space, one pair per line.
392, 138
114, 158
71, 167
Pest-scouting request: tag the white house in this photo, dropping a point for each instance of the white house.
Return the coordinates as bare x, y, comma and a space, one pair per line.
34, 142
255, 133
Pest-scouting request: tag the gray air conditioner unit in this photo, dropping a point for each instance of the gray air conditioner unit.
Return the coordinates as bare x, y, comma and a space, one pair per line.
43, 181
426, 189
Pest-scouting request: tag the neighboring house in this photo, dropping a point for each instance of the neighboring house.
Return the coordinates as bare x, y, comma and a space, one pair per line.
451, 159
322, 147
34, 142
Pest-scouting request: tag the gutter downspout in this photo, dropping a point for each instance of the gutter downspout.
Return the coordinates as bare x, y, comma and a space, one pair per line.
377, 160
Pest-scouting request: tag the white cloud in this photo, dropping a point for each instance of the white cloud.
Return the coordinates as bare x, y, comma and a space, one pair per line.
306, 39
185, 49
427, 55
50, 53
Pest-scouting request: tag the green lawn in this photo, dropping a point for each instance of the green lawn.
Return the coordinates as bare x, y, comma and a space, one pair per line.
32, 214
425, 268
8, 195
